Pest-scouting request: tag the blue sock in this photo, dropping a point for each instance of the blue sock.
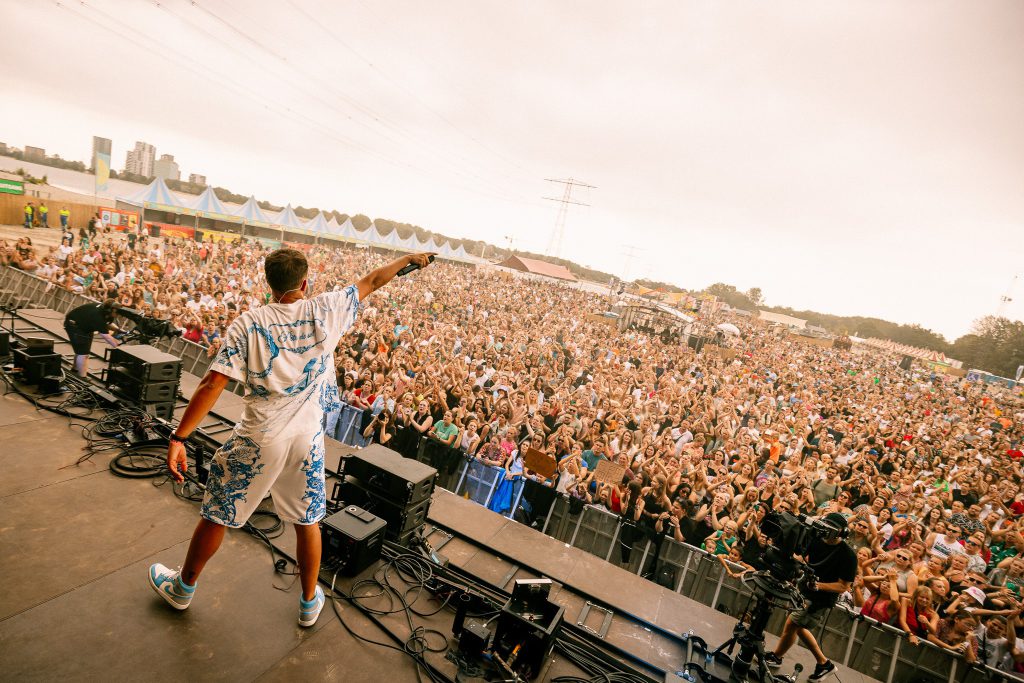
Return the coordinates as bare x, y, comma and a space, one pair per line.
184, 586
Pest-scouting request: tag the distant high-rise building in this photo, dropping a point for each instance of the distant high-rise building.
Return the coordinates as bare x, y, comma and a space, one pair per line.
196, 179
167, 168
34, 153
101, 146
140, 160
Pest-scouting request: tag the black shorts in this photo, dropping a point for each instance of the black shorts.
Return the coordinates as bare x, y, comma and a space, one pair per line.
80, 342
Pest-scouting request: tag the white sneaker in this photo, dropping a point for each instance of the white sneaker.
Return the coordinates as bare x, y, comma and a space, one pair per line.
167, 583
309, 611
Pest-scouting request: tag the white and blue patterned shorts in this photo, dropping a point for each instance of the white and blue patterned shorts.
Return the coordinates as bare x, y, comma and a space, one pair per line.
242, 472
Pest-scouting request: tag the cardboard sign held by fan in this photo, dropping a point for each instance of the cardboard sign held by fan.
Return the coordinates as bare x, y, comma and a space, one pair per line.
540, 462
609, 472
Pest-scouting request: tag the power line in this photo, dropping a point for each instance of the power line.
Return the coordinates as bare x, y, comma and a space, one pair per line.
436, 155
557, 235
158, 48
384, 75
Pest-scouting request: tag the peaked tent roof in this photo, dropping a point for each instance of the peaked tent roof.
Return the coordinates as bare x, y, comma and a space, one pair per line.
446, 250
392, 239
333, 227
251, 211
318, 224
288, 219
535, 267
460, 252
348, 230
431, 245
208, 202
411, 243
157, 192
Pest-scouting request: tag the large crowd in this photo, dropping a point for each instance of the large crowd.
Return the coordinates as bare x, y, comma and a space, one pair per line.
927, 468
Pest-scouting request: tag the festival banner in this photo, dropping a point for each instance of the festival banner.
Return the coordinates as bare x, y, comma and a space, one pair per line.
101, 165
216, 236
11, 186
168, 230
120, 220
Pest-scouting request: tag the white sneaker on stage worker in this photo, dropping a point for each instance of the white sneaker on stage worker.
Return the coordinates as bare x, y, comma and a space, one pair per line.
283, 353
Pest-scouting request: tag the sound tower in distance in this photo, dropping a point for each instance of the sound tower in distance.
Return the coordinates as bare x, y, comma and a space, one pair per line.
906, 362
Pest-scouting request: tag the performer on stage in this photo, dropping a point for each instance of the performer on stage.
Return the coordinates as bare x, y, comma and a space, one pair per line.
283, 353
82, 322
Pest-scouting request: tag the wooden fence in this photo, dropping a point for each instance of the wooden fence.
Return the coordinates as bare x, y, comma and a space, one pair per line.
12, 210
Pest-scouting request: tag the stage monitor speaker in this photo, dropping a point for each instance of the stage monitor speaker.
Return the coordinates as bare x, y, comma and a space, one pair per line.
120, 382
353, 539
5, 344
164, 411
36, 366
38, 346
403, 481
399, 518
146, 363
906, 362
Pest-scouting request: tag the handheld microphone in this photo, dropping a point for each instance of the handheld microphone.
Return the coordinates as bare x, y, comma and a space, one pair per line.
411, 267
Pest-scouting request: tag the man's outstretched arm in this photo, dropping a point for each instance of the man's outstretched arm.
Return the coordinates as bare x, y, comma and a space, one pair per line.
207, 393
376, 279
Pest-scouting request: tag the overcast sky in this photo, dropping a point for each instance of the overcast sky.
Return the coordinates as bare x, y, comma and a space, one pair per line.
861, 157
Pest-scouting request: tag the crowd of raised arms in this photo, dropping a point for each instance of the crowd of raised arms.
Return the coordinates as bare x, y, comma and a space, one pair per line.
927, 468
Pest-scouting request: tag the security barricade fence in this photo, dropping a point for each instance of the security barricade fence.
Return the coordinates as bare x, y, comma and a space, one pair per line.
863, 644
24, 290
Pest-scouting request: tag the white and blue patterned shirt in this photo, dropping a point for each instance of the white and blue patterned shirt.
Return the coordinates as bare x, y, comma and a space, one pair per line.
284, 355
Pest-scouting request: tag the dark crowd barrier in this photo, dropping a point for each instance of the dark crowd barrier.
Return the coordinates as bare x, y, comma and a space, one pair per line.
863, 644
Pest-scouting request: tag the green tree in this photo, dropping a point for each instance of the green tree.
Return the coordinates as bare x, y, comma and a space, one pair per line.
994, 344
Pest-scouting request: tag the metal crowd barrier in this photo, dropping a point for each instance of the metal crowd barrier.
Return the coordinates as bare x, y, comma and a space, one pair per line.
25, 290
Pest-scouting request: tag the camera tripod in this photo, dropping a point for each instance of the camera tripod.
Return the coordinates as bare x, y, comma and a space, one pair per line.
768, 593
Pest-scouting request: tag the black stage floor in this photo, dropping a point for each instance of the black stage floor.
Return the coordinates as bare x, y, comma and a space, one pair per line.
75, 604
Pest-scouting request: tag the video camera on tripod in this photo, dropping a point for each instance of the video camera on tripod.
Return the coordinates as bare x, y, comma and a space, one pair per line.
784, 582
147, 330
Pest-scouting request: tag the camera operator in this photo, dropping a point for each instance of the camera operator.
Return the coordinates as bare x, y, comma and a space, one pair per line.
82, 322
834, 564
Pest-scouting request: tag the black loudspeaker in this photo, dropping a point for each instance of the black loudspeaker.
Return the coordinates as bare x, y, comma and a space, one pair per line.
36, 367
164, 411
131, 388
906, 362
5, 344
399, 518
388, 475
352, 539
145, 363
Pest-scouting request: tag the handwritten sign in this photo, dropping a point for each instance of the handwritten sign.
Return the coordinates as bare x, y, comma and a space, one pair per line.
609, 472
540, 462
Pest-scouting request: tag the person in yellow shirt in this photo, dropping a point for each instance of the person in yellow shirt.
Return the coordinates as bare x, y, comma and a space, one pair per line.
65, 215
44, 215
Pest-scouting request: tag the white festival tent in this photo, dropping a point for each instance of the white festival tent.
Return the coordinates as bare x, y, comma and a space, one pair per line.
348, 231
318, 224
251, 212
391, 239
728, 328
287, 219
208, 202
411, 243
333, 227
446, 250
155, 195
460, 252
